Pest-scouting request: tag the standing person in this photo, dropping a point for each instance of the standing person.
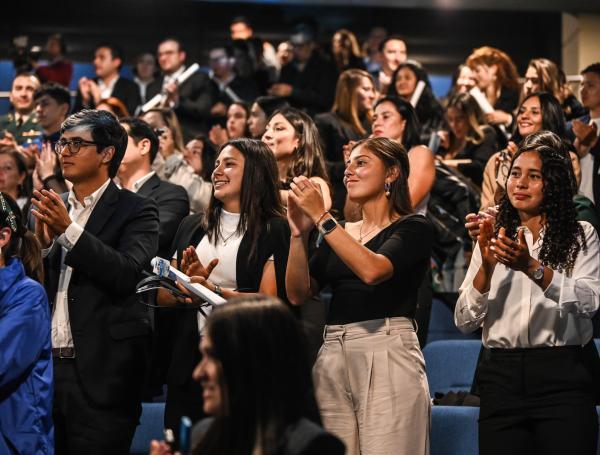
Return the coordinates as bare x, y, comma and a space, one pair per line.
294, 140
261, 110
145, 71
239, 245
256, 384
98, 239
20, 123
349, 120
369, 376
533, 285
25, 347
429, 111
496, 76
192, 99
394, 51
108, 60
59, 69
346, 51
543, 75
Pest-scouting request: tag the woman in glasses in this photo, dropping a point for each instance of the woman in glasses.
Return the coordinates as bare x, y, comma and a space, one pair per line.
238, 246
25, 346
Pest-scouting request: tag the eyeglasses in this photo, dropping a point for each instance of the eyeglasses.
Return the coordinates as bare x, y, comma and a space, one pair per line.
11, 219
73, 145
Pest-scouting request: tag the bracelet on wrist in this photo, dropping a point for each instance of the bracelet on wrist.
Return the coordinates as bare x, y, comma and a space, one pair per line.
326, 212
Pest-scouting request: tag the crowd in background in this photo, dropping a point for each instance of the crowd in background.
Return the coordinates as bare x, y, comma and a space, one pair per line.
271, 131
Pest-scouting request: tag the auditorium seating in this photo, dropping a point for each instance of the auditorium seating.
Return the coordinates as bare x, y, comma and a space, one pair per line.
150, 427
450, 364
454, 430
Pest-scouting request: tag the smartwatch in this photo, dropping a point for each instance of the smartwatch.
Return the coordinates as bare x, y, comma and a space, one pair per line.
327, 226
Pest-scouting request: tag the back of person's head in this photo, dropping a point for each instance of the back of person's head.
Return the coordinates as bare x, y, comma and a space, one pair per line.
104, 129
22, 244
261, 349
507, 75
137, 130
259, 195
113, 105
270, 104
308, 159
345, 104
593, 68
57, 92
411, 136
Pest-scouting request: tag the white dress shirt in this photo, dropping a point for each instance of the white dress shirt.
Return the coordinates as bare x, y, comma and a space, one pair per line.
517, 313
140, 182
79, 214
168, 78
107, 89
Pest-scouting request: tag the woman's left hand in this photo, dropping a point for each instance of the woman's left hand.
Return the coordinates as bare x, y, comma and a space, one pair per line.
307, 195
510, 253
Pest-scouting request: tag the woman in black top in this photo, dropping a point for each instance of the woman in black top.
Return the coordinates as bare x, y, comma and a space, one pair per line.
349, 120
467, 138
239, 246
429, 111
369, 376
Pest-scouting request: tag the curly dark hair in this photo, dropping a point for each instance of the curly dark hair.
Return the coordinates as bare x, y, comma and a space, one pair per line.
563, 235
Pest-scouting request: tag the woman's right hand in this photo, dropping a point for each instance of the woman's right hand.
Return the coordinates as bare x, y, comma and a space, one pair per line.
486, 246
300, 223
159, 448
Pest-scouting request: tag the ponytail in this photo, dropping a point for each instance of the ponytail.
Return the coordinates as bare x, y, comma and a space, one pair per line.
30, 252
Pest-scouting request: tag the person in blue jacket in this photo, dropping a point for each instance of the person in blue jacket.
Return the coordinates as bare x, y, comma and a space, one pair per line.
25, 348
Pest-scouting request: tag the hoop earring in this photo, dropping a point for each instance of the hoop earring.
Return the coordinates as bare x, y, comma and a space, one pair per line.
387, 187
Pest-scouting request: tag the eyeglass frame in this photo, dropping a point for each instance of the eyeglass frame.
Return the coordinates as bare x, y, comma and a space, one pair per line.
70, 142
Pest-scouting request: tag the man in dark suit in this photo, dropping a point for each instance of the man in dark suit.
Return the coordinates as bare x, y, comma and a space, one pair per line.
97, 240
136, 174
108, 59
308, 82
192, 100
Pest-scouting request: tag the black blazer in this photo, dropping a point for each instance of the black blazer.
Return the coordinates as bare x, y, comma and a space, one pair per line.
273, 241
196, 97
125, 90
173, 205
111, 330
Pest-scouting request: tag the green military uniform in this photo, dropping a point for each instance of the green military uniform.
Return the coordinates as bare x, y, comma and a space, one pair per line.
26, 132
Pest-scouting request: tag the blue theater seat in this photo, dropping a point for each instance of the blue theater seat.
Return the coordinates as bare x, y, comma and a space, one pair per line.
454, 430
450, 364
150, 427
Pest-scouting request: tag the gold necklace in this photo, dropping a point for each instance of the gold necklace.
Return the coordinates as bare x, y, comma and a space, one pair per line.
360, 234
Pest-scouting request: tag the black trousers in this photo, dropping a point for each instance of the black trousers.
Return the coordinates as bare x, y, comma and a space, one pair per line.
538, 401
82, 427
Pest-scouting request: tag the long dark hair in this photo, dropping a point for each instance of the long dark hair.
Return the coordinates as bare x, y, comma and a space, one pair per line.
410, 136
391, 153
308, 158
563, 235
553, 117
259, 198
23, 243
428, 106
266, 380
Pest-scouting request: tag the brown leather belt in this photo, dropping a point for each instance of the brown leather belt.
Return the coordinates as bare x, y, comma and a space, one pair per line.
63, 353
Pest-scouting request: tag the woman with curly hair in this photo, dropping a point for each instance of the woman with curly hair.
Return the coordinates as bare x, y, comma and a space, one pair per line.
533, 285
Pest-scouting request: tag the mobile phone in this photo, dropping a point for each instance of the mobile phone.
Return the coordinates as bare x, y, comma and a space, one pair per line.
185, 429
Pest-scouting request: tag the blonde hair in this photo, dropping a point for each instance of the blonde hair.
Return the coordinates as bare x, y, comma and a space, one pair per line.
349, 42
507, 75
345, 105
549, 76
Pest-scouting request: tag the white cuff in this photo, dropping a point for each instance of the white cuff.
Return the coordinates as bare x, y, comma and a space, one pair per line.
70, 237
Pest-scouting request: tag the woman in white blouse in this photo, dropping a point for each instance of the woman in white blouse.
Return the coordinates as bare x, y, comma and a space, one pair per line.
533, 286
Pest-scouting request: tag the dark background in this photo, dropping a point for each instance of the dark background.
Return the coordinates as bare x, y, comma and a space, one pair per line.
438, 38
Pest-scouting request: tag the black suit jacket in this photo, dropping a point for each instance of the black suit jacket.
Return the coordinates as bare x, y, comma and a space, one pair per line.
173, 206
111, 329
125, 90
196, 97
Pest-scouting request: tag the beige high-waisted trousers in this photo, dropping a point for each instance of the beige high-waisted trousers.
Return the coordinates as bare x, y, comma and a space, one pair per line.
371, 387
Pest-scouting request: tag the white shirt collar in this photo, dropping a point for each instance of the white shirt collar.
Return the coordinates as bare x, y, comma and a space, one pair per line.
88, 201
107, 89
140, 182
